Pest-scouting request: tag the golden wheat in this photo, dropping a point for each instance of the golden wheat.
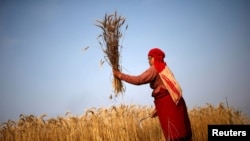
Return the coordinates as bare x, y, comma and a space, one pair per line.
111, 34
114, 123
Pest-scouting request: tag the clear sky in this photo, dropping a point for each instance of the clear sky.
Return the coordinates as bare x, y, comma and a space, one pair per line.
44, 70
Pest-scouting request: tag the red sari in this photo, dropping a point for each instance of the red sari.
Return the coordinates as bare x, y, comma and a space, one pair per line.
173, 118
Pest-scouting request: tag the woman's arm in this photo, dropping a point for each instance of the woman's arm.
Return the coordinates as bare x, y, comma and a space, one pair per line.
145, 77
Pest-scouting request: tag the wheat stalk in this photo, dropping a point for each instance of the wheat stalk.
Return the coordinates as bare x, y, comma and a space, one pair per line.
111, 34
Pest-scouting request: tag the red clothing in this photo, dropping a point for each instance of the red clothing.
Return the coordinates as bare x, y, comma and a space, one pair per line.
159, 56
173, 118
166, 74
149, 76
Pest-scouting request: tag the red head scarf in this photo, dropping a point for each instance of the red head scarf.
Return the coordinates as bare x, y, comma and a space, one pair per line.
159, 56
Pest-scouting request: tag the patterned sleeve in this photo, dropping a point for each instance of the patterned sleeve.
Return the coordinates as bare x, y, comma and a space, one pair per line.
144, 78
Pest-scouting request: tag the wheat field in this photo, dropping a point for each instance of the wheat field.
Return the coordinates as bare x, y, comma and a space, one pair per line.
122, 122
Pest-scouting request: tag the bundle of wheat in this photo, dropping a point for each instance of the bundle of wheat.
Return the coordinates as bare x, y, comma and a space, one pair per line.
111, 34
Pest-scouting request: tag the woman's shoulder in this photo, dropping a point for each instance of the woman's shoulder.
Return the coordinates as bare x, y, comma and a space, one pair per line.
152, 70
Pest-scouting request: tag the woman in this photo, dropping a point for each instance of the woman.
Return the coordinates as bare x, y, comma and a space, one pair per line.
172, 112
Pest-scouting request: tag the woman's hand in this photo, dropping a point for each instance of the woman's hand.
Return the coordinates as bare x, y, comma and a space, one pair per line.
117, 74
154, 113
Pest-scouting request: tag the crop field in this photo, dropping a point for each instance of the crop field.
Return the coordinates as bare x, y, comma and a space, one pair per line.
122, 122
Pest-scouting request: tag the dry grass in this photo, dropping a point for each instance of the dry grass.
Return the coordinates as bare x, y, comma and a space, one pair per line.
111, 36
111, 124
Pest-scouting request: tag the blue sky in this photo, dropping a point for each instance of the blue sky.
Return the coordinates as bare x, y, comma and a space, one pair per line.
44, 69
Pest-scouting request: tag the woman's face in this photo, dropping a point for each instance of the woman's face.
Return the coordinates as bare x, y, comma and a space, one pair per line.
150, 60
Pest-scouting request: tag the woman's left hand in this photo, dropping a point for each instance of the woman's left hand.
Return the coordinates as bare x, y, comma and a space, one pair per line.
117, 74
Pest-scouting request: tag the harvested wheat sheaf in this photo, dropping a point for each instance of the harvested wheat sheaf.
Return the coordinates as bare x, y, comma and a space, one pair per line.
110, 38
